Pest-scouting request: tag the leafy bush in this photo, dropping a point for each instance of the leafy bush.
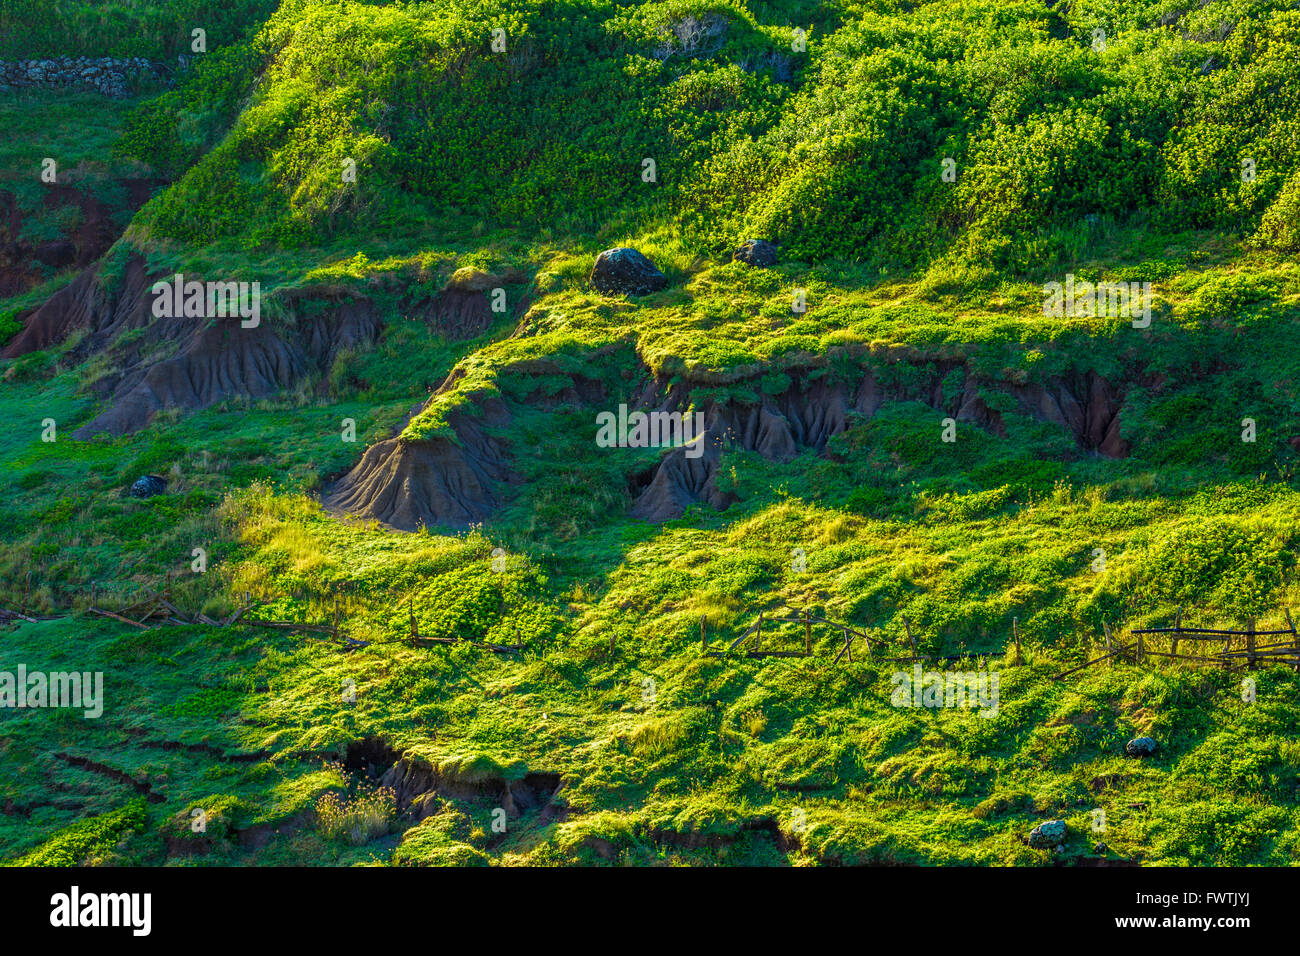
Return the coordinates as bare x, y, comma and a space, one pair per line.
88, 841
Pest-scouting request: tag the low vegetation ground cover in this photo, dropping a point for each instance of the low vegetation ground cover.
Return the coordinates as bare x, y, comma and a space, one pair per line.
611, 738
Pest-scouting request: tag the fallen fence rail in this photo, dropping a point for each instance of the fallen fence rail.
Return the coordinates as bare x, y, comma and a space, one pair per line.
848, 634
416, 639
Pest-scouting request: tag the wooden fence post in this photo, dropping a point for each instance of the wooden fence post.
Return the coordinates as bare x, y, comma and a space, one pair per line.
1250, 644
1141, 651
704, 637
1178, 624
1295, 638
1109, 650
758, 634
807, 634
27, 590
911, 641
410, 607
1015, 632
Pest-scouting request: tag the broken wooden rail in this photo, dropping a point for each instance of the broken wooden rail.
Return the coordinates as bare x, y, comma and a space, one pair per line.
416, 639
756, 632
155, 609
335, 633
25, 605
848, 634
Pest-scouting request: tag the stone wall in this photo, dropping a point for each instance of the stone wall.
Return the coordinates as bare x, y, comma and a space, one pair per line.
107, 75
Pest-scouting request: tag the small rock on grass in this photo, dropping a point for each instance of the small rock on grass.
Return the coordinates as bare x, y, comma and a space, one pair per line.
1048, 835
624, 271
1141, 747
756, 252
148, 486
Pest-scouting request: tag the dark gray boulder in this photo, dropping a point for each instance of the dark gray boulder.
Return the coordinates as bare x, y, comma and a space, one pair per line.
1048, 835
624, 271
148, 486
756, 252
1140, 747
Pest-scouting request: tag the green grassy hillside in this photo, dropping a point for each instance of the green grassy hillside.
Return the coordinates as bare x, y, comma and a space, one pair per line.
900, 434
158, 31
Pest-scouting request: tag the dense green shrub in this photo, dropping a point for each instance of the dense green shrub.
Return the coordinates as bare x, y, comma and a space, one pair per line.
122, 28
88, 840
1049, 131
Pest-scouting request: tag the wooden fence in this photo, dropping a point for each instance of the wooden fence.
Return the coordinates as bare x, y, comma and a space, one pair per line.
1245, 647
1250, 654
156, 608
848, 635
416, 639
